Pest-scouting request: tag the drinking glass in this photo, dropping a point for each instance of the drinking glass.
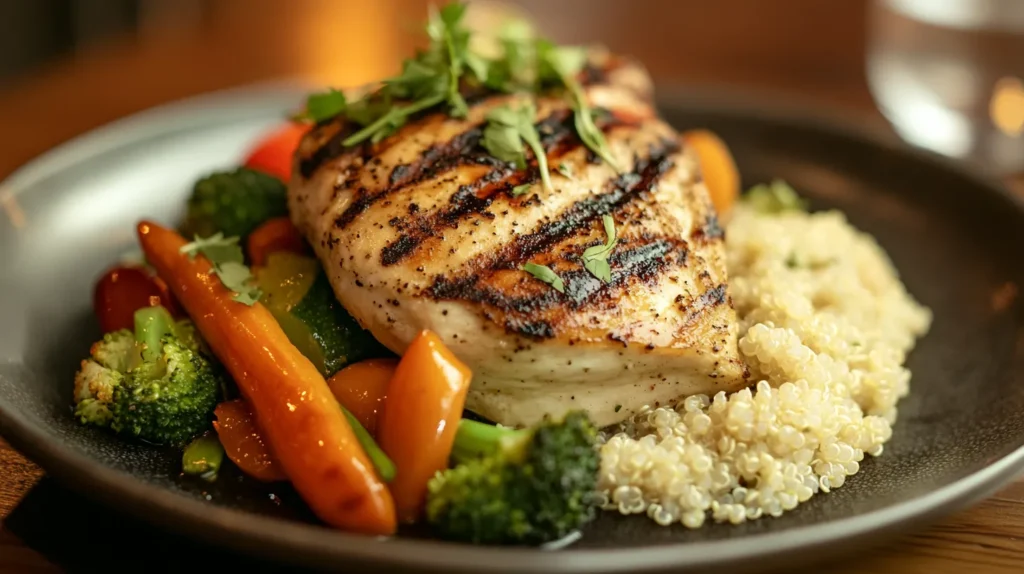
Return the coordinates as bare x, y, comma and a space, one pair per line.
949, 76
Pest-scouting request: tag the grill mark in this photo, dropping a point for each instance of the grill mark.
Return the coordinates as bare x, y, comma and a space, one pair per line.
645, 263
623, 189
710, 230
462, 149
331, 149
709, 299
464, 202
558, 136
432, 161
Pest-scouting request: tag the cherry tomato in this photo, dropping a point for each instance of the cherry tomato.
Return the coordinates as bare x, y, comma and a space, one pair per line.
243, 442
274, 235
273, 154
122, 291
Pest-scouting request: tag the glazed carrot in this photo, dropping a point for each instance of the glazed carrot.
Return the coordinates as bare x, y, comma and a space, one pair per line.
277, 234
243, 441
420, 416
361, 388
717, 167
299, 417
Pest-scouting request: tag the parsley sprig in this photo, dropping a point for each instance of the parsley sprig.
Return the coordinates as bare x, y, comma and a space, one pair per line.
434, 76
595, 258
507, 130
225, 255
565, 63
429, 79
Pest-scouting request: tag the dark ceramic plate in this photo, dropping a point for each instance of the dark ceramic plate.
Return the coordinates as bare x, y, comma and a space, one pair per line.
957, 240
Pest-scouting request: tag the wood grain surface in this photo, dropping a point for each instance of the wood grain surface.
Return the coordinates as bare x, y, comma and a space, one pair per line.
807, 50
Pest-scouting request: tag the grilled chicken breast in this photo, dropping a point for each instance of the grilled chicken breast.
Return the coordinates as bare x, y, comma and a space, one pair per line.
422, 231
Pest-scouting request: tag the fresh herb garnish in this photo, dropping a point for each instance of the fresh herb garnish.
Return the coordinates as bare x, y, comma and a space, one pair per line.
565, 62
520, 189
566, 170
595, 258
324, 105
445, 30
427, 80
545, 274
506, 131
774, 197
435, 75
225, 256
515, 70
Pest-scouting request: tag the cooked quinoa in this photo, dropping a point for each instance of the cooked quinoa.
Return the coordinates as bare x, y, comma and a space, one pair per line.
825, 326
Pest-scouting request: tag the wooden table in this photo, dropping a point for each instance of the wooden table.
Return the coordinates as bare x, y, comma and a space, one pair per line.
800, 49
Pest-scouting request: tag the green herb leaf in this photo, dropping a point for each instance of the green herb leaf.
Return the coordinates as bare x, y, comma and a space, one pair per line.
324, 105
564, 63
595, 258
225, 256
417, 80
446, 29
393, 119
216, 248
429, 79
516, 69
477, 65
559, 63
774, 197
566, 170
588, 131
520, 189
504, 143
508, 129
545, 274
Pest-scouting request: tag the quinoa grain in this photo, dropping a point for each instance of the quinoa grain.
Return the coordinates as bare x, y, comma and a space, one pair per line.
825, 326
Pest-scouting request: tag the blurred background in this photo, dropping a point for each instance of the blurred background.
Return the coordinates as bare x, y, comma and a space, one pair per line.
945, 74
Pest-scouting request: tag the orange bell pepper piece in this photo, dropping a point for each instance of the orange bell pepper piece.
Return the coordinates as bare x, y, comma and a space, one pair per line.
718, 168
420, 416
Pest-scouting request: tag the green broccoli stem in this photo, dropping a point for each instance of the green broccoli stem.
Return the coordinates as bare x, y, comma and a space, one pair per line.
475, 439
152, 324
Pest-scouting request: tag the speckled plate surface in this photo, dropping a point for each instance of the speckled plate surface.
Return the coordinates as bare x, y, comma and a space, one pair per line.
957, 240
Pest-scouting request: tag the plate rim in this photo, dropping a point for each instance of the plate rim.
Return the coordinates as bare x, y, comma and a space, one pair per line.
313, 544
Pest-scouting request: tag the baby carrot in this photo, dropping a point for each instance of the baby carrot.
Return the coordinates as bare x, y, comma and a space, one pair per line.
300, 419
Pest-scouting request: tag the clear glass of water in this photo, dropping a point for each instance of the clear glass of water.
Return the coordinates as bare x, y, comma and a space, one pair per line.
949, 76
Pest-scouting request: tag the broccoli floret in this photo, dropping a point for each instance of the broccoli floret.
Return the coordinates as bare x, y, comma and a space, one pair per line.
155, 384
517, 487
234, 203
340, 337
